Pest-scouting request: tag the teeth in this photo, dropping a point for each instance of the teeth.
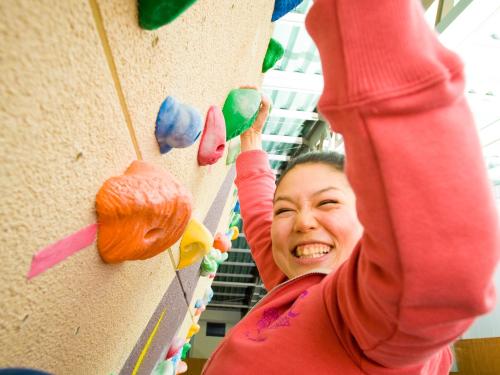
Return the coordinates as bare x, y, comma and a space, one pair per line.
310, 256
312, 250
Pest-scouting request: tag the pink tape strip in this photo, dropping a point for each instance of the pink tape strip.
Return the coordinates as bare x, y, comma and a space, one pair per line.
57, 252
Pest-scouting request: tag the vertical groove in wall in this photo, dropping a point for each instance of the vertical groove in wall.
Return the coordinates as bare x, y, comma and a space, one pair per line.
171, 256
114, 73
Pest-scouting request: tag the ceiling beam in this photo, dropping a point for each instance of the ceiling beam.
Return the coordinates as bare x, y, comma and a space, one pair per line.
234, 283
229, 294
244, 276
243, 264
282, 139
301, 115
241, 251
465, 17
293, 81
427, 3
234, 306
278, 157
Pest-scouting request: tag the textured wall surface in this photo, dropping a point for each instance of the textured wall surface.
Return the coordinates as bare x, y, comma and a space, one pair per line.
211, 48
81, 85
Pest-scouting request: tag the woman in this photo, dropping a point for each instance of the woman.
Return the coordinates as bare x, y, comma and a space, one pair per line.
388, 296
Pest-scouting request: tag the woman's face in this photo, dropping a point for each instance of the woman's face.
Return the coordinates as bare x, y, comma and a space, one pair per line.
315, 226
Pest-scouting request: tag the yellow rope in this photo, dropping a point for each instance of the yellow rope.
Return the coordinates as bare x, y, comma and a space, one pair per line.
146, 347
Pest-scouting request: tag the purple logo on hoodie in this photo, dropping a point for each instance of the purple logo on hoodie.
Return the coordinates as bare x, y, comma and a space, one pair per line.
272, 318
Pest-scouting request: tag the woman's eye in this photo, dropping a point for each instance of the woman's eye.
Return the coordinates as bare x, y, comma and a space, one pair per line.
328, 201
281, 210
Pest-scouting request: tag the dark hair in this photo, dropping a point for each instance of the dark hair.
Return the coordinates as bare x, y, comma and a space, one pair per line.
333, 159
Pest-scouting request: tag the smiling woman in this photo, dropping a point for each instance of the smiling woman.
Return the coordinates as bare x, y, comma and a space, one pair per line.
315, 226
383, 293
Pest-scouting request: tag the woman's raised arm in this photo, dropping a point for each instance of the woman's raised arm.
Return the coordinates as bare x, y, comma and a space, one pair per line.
423, 269
256, 185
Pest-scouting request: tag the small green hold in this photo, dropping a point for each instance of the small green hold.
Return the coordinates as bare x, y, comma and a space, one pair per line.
233, 150
240, 110
212, 261
156, 13
222, 258
185, 349
275, 51
235, 219
208, 266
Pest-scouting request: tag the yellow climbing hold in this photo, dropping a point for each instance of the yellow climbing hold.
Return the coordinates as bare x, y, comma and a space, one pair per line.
195, 243
193, 330
236, 233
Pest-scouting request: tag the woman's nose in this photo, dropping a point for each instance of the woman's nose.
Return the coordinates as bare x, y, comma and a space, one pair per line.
305, 221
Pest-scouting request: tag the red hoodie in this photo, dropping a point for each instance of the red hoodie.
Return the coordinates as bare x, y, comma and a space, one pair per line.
423, 268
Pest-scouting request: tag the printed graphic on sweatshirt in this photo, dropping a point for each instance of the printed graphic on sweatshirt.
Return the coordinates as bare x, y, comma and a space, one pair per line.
273, 318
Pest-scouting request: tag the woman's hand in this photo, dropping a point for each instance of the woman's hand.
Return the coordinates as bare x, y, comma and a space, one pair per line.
251, 139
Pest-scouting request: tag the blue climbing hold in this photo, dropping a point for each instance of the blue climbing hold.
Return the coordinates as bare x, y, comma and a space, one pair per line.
176, 358
282, 7
208, 295
177, 125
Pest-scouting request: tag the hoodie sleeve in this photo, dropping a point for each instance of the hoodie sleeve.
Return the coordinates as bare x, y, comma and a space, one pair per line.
423, 268
256, 184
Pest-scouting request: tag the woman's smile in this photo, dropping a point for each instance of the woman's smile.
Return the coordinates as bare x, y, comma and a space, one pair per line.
315, 226
312, 253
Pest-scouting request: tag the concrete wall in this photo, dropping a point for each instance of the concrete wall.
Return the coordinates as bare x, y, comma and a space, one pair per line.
81, 85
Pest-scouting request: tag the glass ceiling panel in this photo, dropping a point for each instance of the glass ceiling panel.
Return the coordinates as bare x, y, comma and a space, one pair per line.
292, 100
475, 36
283, 126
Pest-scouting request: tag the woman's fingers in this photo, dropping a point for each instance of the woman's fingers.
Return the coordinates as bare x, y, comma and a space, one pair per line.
260, 120
265, 106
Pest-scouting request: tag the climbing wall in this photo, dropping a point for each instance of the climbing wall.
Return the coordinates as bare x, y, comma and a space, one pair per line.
81, 86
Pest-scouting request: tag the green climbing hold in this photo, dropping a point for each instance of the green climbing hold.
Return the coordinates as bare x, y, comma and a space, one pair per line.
233, 150
156, 13
185, 349
212, 261
240, 109
208, 265
275, 51
235, 219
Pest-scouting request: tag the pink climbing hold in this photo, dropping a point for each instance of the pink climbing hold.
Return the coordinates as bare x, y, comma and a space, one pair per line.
175, 347
199, 310
213, 138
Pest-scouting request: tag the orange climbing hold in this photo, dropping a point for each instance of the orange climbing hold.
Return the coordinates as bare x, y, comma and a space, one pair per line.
141, 213
222, 242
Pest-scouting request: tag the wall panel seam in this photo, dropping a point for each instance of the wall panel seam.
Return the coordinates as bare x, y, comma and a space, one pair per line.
114, 73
